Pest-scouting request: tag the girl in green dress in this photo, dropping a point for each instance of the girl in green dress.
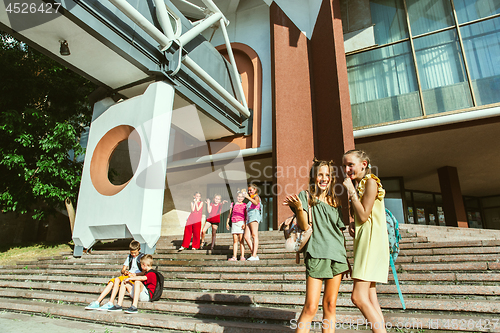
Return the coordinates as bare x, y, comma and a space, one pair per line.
325, 256
369, 229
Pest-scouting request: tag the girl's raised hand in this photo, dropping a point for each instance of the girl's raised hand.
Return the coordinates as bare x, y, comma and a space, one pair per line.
348, 185
224, 202
207, 201
293, 201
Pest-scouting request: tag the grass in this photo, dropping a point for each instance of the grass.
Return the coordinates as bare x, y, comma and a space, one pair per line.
10, 254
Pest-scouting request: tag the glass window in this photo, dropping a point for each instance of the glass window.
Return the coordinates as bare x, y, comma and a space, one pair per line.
383, 85
442, 73
389, 19
482, 49
441, 219
492, 218
429, 15
391, 185
471, 203
439, 199
491, 202
411, 218
423, 197
470, 10
421, 215
395, 206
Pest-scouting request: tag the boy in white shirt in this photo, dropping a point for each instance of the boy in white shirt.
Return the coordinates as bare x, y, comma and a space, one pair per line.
131, 267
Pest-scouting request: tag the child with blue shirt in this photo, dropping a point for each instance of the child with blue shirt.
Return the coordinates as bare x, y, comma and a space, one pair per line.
131, 267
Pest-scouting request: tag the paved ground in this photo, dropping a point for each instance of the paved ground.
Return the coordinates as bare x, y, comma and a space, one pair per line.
11, 322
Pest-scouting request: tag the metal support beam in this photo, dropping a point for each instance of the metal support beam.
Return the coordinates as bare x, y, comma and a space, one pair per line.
141, 21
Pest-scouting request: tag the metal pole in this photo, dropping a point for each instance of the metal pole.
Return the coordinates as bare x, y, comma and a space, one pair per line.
140, 20
464, 56
215, 85
201, 9
213, 7
233, 64
163, 18
195, 31
415, 60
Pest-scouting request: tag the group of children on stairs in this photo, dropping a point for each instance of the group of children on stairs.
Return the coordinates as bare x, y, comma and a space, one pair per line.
325, 255
243, 220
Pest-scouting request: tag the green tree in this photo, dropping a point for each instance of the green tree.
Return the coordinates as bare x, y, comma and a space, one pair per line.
43, 111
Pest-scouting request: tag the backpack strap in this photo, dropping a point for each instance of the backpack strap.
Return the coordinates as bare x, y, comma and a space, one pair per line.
130, 258
397, 282
130, 261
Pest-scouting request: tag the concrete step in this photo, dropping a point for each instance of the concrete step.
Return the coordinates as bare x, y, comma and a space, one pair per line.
258, 284
426, 255
190, 311
292, 273
147, 320
473, 263
439, 233
444, 283
273, 308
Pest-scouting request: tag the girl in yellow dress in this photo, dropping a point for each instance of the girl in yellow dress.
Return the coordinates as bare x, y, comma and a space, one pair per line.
369, 229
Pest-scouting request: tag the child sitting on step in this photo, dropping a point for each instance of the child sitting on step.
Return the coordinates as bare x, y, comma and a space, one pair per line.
143, 286
131, 267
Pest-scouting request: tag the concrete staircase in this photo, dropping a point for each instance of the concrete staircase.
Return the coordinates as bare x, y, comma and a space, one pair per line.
448, 286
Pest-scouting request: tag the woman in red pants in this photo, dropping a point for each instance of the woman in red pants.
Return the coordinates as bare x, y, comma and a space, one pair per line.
193, 224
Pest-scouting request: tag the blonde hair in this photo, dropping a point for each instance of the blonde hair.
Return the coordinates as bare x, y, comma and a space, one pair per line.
252, 185
362, 156
331, 198
148, 260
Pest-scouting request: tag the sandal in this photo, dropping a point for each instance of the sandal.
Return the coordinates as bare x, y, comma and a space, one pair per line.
232, 259
243, 258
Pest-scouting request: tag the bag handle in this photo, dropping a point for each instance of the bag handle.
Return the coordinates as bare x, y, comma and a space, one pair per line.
309, 210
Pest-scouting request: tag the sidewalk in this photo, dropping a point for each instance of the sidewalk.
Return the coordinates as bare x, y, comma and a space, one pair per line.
11, 322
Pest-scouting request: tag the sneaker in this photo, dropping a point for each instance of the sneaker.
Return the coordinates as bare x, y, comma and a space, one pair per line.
93, 306
132, 309
181, 248
253, 258
106, 306
116, 308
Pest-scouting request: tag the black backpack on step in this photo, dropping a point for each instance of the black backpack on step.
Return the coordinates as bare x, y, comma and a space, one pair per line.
159, 285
